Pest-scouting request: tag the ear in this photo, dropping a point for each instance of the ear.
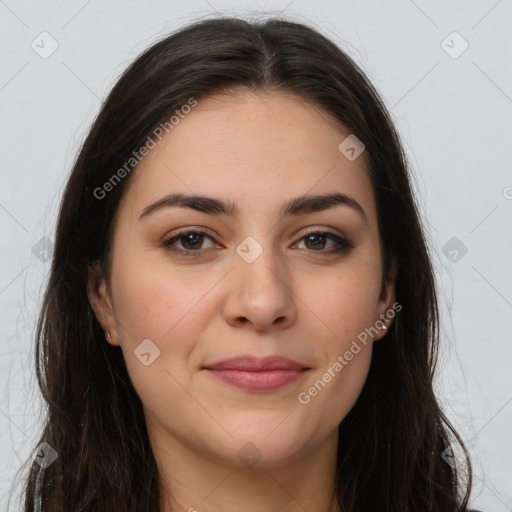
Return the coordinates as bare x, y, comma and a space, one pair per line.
385, 308
99, 298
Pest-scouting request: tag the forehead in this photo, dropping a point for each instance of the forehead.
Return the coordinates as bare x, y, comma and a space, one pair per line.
255, 149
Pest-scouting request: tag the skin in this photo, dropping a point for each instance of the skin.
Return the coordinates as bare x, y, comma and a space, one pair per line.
296, 300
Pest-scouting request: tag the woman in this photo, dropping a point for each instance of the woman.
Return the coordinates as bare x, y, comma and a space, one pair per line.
242, 311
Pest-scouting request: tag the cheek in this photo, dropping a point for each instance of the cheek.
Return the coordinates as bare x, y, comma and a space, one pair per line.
348, 305
350, 372
161, 309
168, 307
333, 390
153, 299
145, 306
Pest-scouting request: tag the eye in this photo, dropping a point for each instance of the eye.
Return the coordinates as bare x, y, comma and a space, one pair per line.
189, 239
318, 239
192, 240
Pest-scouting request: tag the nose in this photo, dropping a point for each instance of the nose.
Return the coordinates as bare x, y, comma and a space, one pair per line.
260, 294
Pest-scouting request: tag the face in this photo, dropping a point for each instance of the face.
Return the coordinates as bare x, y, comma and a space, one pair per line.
273, 278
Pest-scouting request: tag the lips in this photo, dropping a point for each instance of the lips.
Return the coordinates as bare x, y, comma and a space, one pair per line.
254, 364
257, 374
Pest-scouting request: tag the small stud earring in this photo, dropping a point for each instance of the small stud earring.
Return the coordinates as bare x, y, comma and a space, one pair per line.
108, 334
384, 327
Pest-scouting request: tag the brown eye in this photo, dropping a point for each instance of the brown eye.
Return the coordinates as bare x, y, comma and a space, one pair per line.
191, 241
316, 242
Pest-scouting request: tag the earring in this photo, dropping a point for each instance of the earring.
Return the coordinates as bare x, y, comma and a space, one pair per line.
384, 327
108, 334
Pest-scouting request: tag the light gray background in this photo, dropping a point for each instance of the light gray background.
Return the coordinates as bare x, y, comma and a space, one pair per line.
454, 115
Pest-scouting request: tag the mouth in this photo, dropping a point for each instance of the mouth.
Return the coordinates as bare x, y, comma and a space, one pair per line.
257, 374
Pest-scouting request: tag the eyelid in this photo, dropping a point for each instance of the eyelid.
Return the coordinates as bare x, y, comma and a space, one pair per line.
213, 234
169, 241
328, 231
342, 243
191, 229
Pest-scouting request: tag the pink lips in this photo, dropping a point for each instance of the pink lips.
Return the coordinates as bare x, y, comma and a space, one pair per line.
257, 374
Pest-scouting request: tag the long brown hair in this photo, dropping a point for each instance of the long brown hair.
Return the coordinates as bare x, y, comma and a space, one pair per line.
392, 444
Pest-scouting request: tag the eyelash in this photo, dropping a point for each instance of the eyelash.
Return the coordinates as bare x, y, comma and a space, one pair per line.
343, 245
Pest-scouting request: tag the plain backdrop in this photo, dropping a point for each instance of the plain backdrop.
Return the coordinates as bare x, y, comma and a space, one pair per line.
443, 69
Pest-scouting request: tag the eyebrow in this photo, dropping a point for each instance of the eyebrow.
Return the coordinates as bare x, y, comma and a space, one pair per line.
297, 206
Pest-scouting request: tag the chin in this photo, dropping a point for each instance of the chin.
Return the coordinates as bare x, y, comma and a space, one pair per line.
266, 447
